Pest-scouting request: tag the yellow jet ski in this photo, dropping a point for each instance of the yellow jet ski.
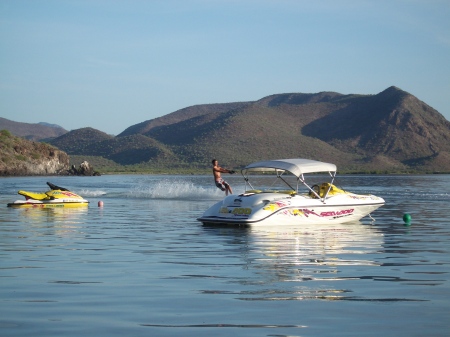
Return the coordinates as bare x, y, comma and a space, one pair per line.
57, 197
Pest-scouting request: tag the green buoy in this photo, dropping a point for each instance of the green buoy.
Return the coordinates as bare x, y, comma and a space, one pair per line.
407, 219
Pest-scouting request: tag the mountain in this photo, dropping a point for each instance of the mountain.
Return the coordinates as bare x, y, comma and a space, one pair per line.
392, 131
126, 150
85, 141
37, 131
392, 124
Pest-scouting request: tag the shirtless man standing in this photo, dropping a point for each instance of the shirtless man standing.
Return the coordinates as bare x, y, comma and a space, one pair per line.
220, 183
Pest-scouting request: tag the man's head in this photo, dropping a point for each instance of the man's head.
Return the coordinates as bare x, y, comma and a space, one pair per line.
214, 162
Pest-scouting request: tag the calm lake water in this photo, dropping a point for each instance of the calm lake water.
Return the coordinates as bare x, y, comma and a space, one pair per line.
143, 266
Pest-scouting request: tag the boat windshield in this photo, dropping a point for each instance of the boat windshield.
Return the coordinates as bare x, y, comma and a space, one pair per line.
270, 179
284, 181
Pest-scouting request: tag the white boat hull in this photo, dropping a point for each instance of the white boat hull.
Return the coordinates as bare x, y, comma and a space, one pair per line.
277, 209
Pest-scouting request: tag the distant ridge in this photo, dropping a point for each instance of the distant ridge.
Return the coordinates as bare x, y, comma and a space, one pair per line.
50, 125
180, 116
38, 131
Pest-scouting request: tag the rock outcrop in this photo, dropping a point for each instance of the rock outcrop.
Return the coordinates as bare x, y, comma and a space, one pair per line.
85, 169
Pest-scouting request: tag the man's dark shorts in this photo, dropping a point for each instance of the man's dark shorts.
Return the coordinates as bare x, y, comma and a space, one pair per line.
222, 184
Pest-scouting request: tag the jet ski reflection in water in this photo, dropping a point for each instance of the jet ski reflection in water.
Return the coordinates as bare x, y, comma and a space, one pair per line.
57, 197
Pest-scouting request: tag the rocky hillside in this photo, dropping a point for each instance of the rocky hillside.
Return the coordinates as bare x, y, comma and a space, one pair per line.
38, 131
20, 157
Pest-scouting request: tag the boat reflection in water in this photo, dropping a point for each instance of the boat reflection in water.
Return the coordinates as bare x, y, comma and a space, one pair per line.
320, 245
315, 260
61, 221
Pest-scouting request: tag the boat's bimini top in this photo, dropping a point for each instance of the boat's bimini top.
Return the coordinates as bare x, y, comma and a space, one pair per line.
296, 166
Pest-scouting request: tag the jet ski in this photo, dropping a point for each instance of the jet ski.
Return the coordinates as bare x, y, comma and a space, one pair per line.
56, 197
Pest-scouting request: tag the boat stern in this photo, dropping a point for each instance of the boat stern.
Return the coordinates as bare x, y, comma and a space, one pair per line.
244, 208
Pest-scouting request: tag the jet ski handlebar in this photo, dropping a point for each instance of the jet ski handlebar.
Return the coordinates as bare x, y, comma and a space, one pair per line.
54, 187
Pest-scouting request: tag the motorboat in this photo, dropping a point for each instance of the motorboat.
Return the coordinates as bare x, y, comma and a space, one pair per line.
56, 197
299, 201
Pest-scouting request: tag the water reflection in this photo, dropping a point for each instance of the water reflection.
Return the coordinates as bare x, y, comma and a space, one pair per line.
326, 245
61, 221
39, 215
328, 262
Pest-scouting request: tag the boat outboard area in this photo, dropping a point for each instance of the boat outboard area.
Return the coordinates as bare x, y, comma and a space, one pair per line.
56, 197
293, 198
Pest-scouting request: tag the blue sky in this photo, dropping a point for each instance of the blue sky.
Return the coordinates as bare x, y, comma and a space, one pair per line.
110, 64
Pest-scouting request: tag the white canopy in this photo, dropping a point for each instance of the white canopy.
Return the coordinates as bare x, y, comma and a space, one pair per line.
296, 166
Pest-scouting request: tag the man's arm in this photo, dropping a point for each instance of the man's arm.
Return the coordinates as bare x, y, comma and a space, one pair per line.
223, 170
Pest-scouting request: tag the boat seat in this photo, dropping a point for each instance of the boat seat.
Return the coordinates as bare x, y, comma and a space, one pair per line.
34, 195
333, 190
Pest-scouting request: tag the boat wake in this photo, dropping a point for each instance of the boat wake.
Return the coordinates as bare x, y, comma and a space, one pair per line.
178, 189
94, 193
168, 189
